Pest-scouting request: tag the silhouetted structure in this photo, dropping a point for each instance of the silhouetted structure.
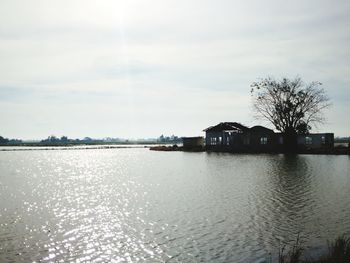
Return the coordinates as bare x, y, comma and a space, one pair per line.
193, 142
235, 137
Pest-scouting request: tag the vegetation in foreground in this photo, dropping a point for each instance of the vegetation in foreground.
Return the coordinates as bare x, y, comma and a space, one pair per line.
338, 252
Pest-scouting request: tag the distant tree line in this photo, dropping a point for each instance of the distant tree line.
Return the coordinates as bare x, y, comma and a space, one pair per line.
64, 140
169, 139
342, 139
53, 140
5, 141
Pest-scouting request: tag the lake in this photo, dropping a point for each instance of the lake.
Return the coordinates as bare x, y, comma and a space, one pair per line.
136, 205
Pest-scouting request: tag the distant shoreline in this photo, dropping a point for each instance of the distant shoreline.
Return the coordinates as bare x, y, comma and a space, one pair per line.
82, 143
10, 148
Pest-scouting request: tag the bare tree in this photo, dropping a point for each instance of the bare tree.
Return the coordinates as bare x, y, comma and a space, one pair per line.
292, 106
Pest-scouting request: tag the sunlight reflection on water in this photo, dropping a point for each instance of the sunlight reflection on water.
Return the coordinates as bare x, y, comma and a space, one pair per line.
137, 205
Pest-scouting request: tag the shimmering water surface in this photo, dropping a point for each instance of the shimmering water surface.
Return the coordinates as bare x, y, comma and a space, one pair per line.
128, 205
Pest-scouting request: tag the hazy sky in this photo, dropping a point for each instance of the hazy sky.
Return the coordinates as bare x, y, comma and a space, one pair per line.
142, 68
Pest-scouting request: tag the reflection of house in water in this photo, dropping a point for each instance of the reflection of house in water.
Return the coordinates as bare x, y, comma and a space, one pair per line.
233, 136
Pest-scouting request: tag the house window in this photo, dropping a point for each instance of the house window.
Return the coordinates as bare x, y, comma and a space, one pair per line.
308, 140
263, 140
323, 140
213, 141
227, 138
220, 140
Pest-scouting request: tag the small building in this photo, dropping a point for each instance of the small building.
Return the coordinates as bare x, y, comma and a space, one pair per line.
193, 142
228, 136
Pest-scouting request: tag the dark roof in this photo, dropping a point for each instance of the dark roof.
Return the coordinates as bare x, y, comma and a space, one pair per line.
227, 126
261, 129
237, 127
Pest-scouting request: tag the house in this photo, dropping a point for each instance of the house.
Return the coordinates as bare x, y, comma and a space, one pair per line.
236, 137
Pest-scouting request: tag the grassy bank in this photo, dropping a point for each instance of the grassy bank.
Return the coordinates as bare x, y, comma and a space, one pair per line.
338, 252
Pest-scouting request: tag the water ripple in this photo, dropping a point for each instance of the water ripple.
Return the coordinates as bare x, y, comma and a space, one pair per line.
133, 205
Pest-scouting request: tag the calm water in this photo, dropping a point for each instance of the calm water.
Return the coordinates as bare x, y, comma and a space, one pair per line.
128, 205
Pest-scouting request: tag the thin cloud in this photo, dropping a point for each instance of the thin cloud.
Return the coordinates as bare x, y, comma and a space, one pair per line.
174, 66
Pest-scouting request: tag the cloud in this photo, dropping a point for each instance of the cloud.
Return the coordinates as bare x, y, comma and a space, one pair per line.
173, 66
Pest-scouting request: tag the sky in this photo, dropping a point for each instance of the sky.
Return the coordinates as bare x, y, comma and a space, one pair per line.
139, 69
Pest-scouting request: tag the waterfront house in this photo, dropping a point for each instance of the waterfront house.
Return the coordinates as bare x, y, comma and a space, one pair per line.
236, 137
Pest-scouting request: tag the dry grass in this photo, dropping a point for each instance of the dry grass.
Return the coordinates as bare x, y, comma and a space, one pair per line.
338, 252
293, 256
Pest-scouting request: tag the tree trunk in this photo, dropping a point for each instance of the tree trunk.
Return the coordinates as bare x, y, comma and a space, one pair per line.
290, 141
